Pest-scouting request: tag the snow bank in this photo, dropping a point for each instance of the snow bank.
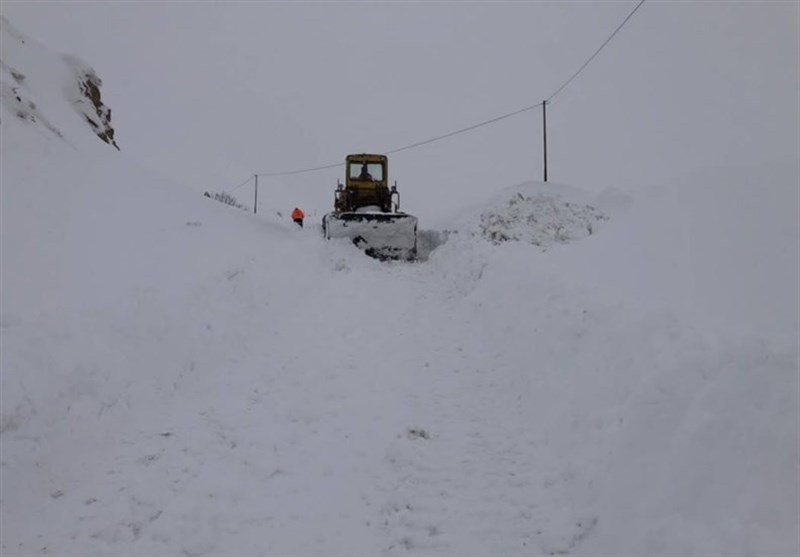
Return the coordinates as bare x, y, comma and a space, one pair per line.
651, 432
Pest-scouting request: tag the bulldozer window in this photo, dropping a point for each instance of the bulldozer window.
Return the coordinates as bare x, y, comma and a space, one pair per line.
373, 169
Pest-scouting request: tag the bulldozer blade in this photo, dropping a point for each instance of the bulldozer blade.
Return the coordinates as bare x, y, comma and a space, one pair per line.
380, 235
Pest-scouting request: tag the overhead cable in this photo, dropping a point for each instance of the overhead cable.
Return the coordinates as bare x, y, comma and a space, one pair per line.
592, 57
480, 124
417, 144
289, 172
463, 130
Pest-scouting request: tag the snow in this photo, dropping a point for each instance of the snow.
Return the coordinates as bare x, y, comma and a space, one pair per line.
540, 219
182, 377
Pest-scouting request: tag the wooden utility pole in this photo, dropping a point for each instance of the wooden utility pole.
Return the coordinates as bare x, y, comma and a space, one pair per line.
544, 139
255, 201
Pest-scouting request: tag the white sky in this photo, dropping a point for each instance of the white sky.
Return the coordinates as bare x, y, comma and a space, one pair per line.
230, 89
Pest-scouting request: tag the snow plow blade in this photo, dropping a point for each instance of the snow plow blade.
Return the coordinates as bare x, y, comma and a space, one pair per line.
380, 235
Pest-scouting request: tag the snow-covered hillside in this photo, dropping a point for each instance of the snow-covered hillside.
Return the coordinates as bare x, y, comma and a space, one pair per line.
566, 374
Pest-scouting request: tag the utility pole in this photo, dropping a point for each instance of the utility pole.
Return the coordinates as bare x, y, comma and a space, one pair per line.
544, 139
255, 201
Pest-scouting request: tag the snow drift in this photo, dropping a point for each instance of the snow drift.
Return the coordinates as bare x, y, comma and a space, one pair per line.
180, 377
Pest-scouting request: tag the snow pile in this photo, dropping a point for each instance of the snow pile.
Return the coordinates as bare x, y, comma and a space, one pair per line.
540, 214
179, 377
539, 219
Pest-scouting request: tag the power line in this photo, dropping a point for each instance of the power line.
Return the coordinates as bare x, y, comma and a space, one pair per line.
290, 172
417, 144
480, 124
592, 57
462, 130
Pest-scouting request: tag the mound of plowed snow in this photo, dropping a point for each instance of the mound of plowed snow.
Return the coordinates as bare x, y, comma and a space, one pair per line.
539, 219
536, 213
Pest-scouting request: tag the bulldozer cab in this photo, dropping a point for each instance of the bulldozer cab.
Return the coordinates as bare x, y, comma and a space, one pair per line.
366, 184
366, 168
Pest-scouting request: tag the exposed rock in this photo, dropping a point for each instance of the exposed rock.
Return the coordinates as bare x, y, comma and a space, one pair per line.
86, 99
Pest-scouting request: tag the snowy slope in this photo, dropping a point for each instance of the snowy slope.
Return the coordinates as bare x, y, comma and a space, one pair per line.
566, 374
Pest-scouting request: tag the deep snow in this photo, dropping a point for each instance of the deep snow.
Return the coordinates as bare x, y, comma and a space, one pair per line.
181, 377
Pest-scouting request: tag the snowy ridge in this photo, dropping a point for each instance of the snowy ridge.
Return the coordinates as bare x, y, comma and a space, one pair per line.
179, 377
37, 93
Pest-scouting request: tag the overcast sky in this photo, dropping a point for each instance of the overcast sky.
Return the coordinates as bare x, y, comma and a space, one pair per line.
230, 89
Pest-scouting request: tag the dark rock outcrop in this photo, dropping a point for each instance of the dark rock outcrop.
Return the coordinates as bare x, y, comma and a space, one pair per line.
86, 98
90, 104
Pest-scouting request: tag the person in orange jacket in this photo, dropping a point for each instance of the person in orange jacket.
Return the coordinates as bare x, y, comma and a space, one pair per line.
297, 216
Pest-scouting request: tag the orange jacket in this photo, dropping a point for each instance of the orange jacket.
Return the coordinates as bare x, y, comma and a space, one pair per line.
298, 214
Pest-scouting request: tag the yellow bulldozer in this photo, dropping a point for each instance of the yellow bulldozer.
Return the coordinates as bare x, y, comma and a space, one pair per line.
367, 211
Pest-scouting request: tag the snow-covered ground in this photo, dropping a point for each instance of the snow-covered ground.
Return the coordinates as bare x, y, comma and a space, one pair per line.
567, 373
